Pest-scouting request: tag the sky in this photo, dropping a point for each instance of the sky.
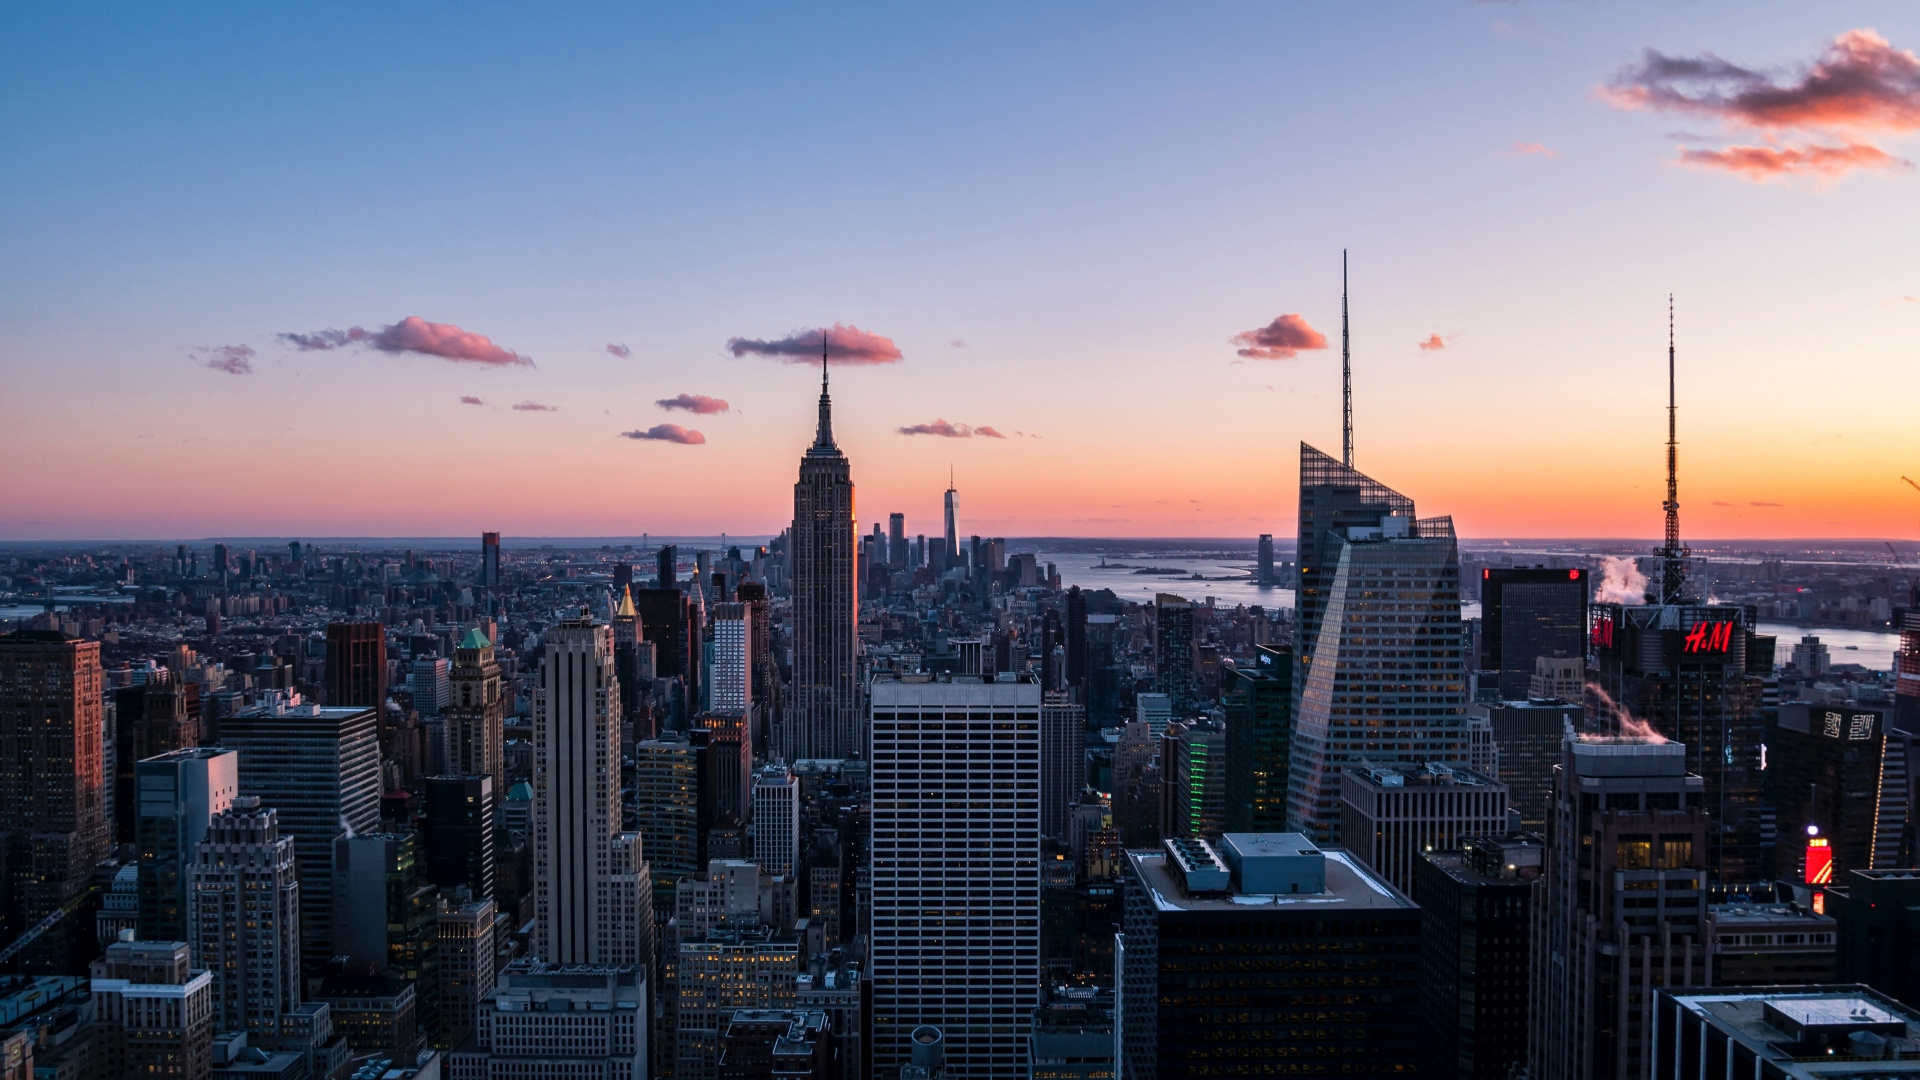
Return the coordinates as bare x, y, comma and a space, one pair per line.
367, 269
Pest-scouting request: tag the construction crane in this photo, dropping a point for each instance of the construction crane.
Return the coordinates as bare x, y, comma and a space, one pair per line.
46, 924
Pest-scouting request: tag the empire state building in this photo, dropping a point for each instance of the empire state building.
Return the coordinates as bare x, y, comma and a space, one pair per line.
824, 720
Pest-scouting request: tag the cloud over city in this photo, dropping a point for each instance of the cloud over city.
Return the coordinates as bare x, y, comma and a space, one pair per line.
845, 345
1282, 339
699, 404
672, 433
232, 359
413, 334
946, 429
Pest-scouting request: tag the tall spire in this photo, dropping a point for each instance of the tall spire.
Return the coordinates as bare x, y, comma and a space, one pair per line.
1673, 567
823, 439
1346, 373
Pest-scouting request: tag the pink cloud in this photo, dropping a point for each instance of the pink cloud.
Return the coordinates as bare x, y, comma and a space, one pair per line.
672, 433
1532, 149
469, 399
699, 404
232, 359
1766, 162
949, 430
1281, 339
619, 350
417, 335
845, 344
1434, 343
987, 432
534, 406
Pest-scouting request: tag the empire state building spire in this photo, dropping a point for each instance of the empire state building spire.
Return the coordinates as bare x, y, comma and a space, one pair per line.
824, 718
823, 439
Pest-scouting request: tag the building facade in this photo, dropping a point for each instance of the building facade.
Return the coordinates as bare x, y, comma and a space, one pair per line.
475, 711
245, 925
824, 716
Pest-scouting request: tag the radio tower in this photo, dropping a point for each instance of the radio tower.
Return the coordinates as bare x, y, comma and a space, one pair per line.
1673, 566
1346, 373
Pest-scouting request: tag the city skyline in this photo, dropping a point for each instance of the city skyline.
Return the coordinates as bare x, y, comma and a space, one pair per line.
1140, 304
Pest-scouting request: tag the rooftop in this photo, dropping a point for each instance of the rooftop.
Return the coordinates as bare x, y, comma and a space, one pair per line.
1350, 886
1825, 1032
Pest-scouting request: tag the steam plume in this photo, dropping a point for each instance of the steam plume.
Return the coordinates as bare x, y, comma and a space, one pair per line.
1621, 582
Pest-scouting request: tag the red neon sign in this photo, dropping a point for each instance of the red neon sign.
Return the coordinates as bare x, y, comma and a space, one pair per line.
1603, 632
1819, 862
1710, 636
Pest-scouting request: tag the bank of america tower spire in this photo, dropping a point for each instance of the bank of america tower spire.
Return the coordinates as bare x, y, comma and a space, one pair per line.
825, 719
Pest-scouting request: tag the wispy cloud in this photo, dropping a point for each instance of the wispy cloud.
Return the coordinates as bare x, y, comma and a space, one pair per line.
415, 335
957, 343
232, 359
534, 406
672, 433
1766, 504
845, 344
619, 350
469, 399
946, 429
1434, 343
699, 404
1532, 149
1810, 119
1282, 339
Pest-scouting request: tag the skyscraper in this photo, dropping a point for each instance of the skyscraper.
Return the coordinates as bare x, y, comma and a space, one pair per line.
1263, 573
823, 721
956, 876
1259, 705
1076, 635
1381, 672
897, 541
666, 803
458, 829
245, 925
592, 895
178, 794
52, 794
732, 681
1173, 652
356, 673
952, 552
776, 820
1527, 613
475, 712
1063, 761
489, 560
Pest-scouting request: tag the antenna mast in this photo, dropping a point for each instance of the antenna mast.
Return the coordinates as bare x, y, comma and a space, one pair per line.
1673, 568
1346, 373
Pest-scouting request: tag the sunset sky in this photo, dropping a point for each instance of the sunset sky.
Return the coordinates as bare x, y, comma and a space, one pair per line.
415, 269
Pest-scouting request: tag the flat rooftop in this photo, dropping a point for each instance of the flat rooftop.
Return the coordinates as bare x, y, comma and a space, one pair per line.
1350, 887
1752, 1017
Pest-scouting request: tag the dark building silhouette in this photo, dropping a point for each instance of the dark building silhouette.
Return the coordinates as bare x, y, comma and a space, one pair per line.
665, 621
1476, 923
1877, 915
1527, 613
458, 828
666, 567
490, 560
357, 666
1834, 768
1076, 641
1263, 571
1173, 652
1259, 704
1528, 736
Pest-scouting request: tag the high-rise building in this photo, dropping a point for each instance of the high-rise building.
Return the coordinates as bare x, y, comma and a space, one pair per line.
1193, 777
667, 567
490, 560
666, 620
245, 926
475, 712
386, 915
1173, 652
1225, 955
1627, 828
1782, 1033
467, 953
1263, 566
1476, 925
1906, 663
765, 698
1259, 706
1527, 737
427, 680
356, 670
731, 687
178, 795
719, 972
543, 1020
955, 912
726, 778
592, 893
1063, 761
1879, 941
458, 830
1391, 814
1558, 678
627, 663
951, 552
824, 718
319, 768
152, 1011
1835, 771
897, 542
1381, 672
1696, 673
1076, 635
666, 803
776, 820
1526, 613
52, 793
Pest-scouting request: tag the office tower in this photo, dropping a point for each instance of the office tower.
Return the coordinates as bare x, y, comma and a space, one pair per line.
824, 719
544, 1020
722, 971
1381, 674
1259, 707
458, 830
1333, 498
798, 1043
1757, 942
732, 682
1063, 761
591, 887
1263, 569
1193, 779
1390, 814
1526, 613
622, 577
1476, 925
726, 779
667, 567
222, 562
937, 557
356, 672
1072, 1034
467, 952
1878, 938
1076, 634
1173, 652
1695, 674
1527, 736
319, 768
428, 679
1189, 905
245, 926
666, 802
51, 785
386, 914
1906, 663
178, 795
153, 1012
1627, 826
626, 659
897, 541
955, 911
1835, 770
951, 551
1558, 678
776, 820
475, 712
1782, 1033
665, 619
765, 709
490, 560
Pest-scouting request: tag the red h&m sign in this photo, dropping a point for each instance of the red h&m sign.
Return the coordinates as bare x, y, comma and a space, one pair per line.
1603, 632
1819, 861
1710, 636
